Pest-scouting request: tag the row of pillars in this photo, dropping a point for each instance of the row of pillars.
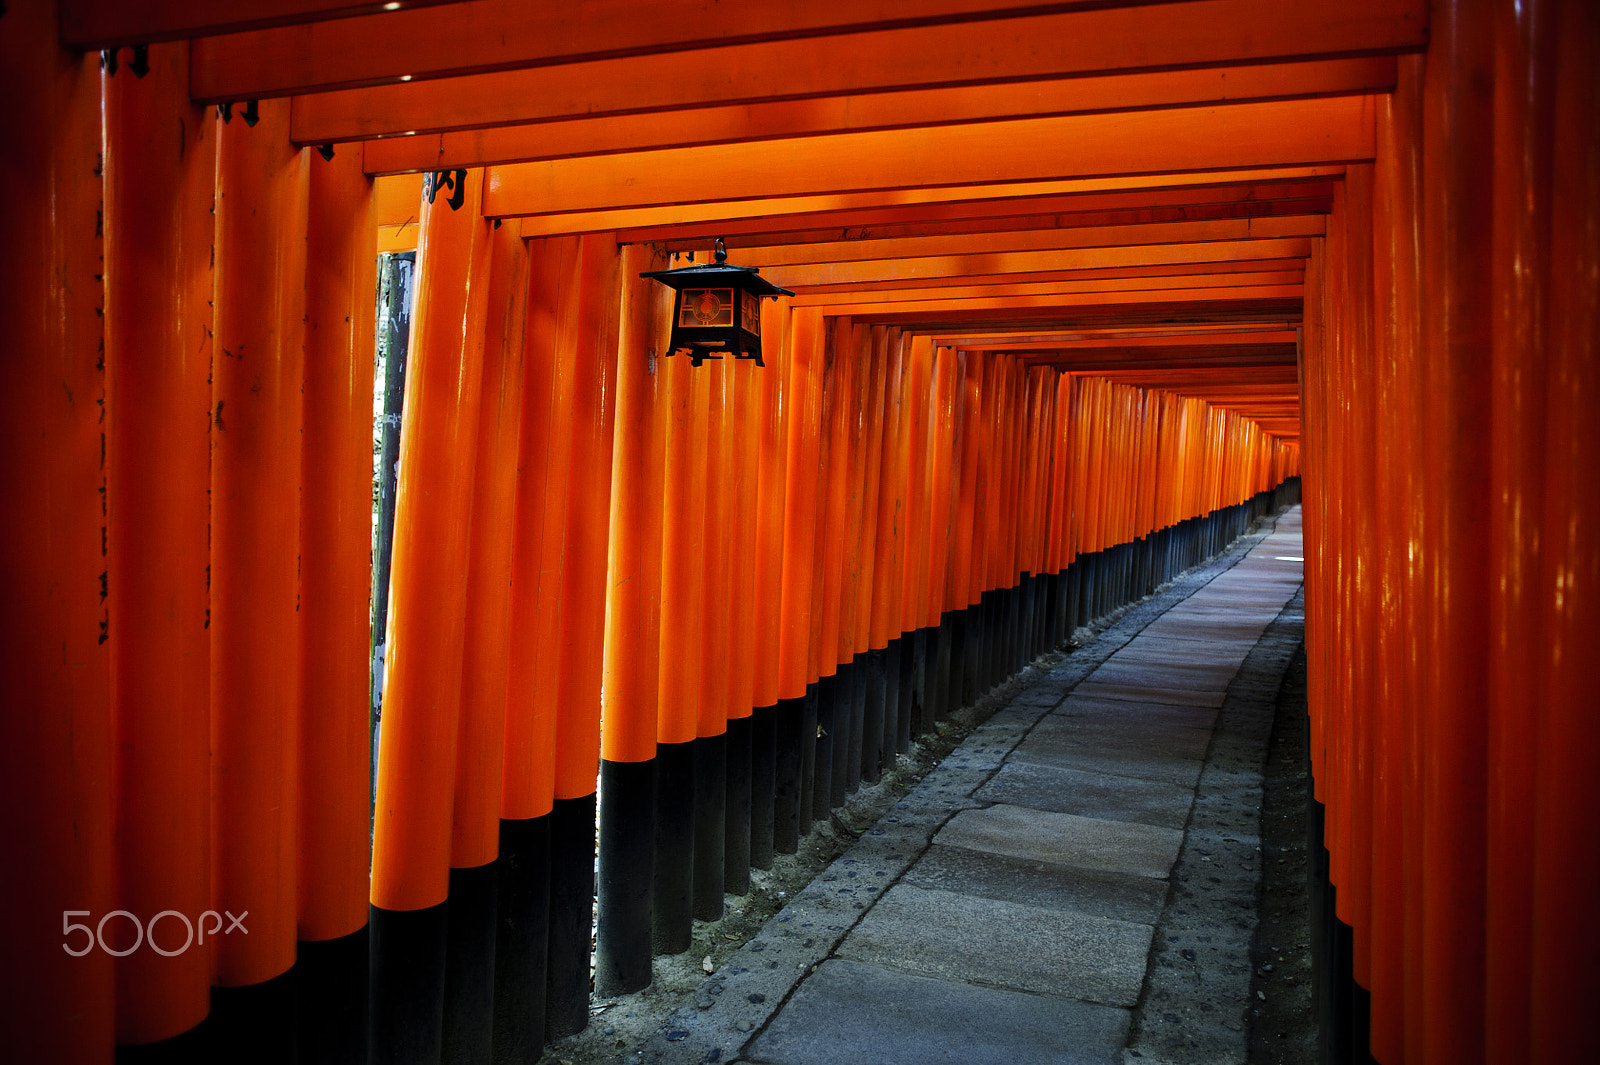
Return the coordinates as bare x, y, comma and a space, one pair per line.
710, 555
1450, 379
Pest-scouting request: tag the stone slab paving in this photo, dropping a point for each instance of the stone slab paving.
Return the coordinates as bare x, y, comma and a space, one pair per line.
1089, 794
1063, 953
1067, 743
1123, 896
1074, 883
851, 1012
1142, 674
1064, 839
1141, 694
1154, 713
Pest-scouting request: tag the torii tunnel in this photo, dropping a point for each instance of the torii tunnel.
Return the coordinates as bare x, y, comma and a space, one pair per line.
1080, 289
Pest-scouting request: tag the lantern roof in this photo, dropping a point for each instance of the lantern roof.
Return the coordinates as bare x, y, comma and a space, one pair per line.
718, 274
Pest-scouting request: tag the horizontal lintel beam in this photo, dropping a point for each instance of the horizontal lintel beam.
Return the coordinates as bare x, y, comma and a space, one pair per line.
768, 210
1043, 239
956, 266
745, 46
1136, 284
90, 24
815, 116
1048, 306
1286, 133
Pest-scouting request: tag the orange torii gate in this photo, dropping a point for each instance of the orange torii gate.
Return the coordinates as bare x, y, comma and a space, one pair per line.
1057, 315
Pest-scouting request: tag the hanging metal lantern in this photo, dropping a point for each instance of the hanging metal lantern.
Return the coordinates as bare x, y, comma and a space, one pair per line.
717, 311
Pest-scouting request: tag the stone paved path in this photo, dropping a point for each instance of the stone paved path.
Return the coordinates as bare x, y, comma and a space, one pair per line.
1074, 884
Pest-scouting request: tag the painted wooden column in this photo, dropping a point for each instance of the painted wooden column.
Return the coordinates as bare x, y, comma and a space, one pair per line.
682, 550
833, 701
770, 437
1567, 854
631, 660
257, 374
1524, 133
55, 788
744, 428
335, 751
943, 466
885, 622
875, 681
588, 351
796, 716
499, 284
527, 761
709, 640
918, 379
160, 174
852, 338
1457, 220
413, 821
1398, 396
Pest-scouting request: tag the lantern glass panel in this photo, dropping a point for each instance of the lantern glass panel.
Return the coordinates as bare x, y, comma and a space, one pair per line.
705, 308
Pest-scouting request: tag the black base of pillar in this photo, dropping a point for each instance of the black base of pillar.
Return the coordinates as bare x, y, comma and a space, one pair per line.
522, 924
875, 688
627, 874
763, 783
822, 747
469, 964
1343, 1007
939, 686
710, 822
736, 830
858, 723
906, 703
407, 988
330, 987
673, 920
956, 692
788, 724
256, 1025
571, 915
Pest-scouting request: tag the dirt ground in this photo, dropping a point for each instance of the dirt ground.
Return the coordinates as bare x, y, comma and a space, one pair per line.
1283, 1027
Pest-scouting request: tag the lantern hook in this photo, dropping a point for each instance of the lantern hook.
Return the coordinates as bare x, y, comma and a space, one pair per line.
722, 251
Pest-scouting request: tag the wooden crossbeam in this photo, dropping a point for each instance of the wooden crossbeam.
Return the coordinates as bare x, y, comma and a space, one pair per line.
1230, 360
490, 36
770, 210
1095, 312
1096, 41
1248, 135
979, 244
1065, 307
773, 119
959, 266
1135, 340
979, 339
92, 24
1294, 268
1187, 203
1130, 284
